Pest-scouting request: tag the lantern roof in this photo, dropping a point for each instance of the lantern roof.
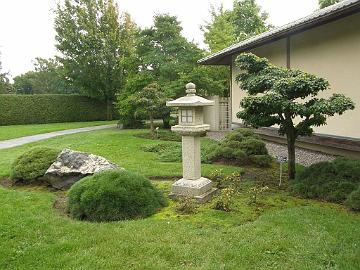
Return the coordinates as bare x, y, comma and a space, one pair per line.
191, 99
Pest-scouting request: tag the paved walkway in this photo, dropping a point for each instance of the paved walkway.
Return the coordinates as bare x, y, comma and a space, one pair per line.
34, 138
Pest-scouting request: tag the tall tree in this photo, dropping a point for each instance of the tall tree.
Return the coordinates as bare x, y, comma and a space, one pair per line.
326, 3
88, 36
5, 86
219, 33
287, 98
226, 27
167, 57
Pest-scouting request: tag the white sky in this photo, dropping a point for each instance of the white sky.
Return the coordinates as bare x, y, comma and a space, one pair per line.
26, 26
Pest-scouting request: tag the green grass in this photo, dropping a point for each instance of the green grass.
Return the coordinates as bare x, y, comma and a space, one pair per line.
119, 146
280, 232
299, 236
17, 131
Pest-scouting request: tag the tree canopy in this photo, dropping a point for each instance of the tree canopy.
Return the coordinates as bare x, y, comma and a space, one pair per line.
88, 35
5, 86
287, 98
48, 78
326, 3
227, 27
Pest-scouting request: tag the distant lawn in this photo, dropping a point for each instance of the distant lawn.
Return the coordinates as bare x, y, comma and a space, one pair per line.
119, 146
279, 232
16, 131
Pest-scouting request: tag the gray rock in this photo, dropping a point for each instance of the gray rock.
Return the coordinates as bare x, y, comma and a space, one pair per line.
70, 166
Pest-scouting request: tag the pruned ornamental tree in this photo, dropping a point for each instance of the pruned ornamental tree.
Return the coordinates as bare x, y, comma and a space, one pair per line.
151, 101
287, 98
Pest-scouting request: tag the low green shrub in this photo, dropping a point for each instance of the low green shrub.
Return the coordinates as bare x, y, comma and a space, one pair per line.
353, 200
33, 164
332, 181
242, 147
114, 195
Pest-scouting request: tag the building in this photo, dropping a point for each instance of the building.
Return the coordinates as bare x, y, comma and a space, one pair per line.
325, 43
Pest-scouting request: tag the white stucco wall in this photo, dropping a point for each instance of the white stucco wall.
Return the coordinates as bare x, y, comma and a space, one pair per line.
331, 51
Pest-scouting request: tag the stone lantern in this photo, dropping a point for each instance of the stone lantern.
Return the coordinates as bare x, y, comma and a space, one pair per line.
191, 126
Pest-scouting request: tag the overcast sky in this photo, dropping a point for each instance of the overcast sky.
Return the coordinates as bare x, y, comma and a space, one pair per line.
26, 26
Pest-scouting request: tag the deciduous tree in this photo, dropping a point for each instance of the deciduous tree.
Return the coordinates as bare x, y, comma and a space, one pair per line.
326, 3
88, 35
287, 98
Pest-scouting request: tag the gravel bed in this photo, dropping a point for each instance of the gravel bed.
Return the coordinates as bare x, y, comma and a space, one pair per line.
303, 156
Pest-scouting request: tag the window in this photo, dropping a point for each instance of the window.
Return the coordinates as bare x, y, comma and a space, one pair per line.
186, 116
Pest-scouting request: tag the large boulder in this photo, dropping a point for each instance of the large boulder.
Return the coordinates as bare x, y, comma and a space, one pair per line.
70, 166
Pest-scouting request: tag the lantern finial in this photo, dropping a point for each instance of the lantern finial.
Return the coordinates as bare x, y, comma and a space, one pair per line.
190, 89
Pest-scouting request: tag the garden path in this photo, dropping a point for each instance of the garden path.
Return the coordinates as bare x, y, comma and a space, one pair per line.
34, 138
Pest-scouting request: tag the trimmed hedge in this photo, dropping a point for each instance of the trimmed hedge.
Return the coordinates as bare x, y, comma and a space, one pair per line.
114, 195
41, 109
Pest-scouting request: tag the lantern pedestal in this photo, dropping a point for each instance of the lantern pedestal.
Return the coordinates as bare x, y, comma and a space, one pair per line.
191, 127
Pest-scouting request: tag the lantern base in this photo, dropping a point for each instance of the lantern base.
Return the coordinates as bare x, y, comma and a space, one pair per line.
202, 189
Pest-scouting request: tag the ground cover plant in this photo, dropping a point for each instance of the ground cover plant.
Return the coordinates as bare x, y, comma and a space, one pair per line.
17, 131
333, 181
32, 164
160, 134
171, 151
114, 195
278, 232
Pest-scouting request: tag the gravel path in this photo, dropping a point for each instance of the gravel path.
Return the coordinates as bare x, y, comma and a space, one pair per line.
34, 138
303, 156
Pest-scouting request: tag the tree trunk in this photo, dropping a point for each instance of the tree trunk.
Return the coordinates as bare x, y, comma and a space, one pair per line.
152, 128
166, 121
109, 109
291, 153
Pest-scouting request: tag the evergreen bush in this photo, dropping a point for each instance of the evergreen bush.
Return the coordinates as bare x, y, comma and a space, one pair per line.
114, 195
33, 164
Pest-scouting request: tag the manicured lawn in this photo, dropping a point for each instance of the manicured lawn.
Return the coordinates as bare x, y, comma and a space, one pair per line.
309, 236
16, 131
280, 232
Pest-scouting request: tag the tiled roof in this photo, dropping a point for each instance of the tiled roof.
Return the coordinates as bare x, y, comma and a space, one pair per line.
322, 16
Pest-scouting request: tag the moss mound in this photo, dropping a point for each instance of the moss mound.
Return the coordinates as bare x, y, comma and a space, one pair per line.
33, 164
114, 195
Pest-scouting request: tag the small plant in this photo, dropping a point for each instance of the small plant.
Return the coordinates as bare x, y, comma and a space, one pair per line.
254, 192
186, 206
353, 201
114, 195
33, 164
225, 200
222, 181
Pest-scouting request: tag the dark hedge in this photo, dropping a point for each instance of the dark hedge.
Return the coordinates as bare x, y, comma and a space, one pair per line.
40, 109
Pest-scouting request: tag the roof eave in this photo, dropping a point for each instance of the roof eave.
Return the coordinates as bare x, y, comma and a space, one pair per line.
224, 57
